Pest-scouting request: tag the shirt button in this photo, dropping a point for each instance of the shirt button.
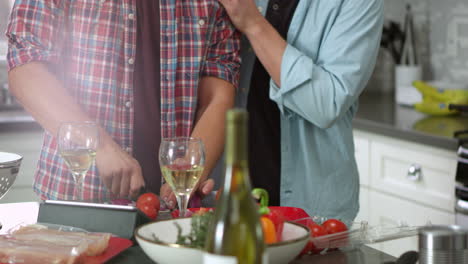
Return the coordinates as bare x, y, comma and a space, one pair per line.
128, 104
201, 22
131, 16
131, 61
128, 149
260, 9
275, 7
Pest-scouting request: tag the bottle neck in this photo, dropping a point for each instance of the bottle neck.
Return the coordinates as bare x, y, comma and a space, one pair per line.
236, 151
236, 143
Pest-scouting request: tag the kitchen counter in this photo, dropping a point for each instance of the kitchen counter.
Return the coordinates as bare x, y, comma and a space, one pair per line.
364, 255
378, 113
16, 119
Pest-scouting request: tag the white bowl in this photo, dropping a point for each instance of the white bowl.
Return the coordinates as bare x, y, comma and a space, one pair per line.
295, 237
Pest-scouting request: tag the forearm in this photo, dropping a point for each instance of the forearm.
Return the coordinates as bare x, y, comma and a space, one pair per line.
269, 47
210, 118
45, 98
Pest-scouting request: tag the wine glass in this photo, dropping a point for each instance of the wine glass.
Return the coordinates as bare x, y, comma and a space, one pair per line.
77, 144
182, 160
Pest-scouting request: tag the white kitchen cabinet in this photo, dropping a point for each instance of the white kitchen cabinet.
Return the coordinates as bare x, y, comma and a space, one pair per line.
389, 210
26, 143
392, 159
389, 196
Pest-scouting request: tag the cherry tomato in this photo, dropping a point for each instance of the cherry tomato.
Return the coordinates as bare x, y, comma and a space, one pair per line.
149, 211
334, 226
315, 231
149, 204
269, 232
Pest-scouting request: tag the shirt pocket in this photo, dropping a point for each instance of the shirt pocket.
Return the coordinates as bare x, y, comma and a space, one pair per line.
96, 26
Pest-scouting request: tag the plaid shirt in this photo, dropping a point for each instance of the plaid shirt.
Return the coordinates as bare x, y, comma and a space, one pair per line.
91, 45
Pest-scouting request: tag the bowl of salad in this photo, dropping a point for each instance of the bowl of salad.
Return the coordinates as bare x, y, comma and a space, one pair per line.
182, 239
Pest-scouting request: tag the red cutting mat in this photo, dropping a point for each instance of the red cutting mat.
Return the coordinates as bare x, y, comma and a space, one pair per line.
116, 245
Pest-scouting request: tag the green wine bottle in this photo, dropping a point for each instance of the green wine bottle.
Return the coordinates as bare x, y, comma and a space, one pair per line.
235, 234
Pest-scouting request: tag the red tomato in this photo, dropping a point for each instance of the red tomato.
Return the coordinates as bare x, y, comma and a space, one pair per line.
149, 204
334, 226
315, 231
149, 211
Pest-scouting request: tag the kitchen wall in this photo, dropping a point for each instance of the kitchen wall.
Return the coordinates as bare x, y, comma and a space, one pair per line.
442, 35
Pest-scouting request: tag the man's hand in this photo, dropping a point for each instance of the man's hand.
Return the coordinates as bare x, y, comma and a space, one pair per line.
243, 14
120, 172
168, 197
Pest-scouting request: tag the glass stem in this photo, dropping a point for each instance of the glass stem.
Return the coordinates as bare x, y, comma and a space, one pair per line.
79, 177
182, 201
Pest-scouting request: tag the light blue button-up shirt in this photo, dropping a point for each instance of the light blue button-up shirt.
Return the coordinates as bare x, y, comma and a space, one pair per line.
331, 52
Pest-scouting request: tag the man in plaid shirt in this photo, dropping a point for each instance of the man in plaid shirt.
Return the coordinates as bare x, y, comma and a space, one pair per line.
143, 70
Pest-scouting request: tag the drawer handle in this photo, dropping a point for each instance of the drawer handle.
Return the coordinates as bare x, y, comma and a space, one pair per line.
414, 172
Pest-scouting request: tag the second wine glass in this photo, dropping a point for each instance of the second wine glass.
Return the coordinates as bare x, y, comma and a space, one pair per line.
182, 160
77, 144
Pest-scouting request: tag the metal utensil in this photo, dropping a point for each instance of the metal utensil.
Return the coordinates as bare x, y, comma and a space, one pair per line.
9, 168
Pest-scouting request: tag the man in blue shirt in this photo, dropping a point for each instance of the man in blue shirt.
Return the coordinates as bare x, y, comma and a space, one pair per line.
317, 59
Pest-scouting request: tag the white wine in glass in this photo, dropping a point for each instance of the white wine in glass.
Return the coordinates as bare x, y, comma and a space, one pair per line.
77, 144
182, 161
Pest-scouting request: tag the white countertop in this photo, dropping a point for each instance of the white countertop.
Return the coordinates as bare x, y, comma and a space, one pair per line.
15, 116
14, 214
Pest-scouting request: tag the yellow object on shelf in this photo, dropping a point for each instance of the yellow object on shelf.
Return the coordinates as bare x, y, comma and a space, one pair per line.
437, 101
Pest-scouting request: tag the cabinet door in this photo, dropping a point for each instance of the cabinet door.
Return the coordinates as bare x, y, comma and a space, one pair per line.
387, 210
391, 161
28, 145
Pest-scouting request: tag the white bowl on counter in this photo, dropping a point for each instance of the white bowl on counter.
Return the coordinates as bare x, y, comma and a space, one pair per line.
295, 237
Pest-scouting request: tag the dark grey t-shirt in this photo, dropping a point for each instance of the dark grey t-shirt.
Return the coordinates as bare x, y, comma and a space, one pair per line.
147, 120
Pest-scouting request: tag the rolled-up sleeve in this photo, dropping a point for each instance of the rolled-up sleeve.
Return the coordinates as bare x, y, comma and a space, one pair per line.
321, 90
223, 56
34, 32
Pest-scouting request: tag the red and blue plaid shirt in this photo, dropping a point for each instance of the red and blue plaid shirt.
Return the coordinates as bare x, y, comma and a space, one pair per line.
90, 45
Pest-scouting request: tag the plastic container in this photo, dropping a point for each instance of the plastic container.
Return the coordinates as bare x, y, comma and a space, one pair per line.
358, 234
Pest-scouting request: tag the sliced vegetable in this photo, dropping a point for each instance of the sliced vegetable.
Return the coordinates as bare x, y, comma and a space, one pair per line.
269, 232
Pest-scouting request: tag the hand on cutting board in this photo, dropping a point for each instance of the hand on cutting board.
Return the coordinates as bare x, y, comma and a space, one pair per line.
168, 197
119, 171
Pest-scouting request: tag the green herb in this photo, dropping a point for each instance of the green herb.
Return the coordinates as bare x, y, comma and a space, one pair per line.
198, 232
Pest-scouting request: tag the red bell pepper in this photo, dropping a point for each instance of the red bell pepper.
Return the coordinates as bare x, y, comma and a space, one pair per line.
274, 215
